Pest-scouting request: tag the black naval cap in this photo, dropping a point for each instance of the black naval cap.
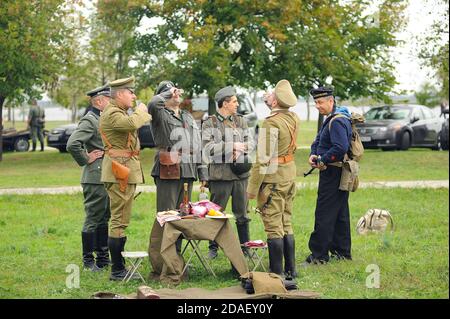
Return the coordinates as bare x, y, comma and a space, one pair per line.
321, 92
164, 86
102, 90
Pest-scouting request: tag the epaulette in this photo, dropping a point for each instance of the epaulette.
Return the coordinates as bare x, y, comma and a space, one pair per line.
272, 115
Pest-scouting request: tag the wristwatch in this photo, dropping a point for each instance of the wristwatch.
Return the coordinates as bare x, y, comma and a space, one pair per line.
320, 163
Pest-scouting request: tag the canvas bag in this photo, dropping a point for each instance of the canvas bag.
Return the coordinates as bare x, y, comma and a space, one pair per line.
169, 167
375, 220
262, 282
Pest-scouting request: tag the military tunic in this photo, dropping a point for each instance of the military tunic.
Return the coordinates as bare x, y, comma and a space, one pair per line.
332, 216
83, 140
36, 118
218, 136
120, 133
175, 133
273, 175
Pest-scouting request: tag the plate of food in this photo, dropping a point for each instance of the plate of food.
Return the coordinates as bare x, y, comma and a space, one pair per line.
223, 216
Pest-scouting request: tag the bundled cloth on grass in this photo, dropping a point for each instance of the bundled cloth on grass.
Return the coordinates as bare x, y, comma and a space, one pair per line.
234, 292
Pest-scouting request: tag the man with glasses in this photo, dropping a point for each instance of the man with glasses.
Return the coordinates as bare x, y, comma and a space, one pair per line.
86, 147
272, 178
121, 169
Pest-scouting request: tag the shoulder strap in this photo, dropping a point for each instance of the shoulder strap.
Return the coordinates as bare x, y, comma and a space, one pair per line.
109, 144
332, 119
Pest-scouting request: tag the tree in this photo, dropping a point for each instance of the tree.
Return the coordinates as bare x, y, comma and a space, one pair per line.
256, 43
427, 95
435, 49
76, 74
31, 34
112, 29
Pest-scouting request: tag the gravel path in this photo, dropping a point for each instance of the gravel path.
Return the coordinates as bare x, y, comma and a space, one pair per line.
152, 188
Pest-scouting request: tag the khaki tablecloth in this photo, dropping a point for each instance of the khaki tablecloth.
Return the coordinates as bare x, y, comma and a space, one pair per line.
162, 251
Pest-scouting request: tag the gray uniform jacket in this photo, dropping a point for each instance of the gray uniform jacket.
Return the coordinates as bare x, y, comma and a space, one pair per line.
182, 133
218, 149
83, 140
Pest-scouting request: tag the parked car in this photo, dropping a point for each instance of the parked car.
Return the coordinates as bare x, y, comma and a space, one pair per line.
14, 140
444, 131
59, 136
401, 127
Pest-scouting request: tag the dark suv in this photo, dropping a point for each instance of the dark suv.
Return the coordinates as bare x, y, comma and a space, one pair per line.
401, 127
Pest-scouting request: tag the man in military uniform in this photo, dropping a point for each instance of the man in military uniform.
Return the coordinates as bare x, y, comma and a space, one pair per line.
272, 178
36, 121
120, 140
332, 216
176, 135
86, 147
225, 138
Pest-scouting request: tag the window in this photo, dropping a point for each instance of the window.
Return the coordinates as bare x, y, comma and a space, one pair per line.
387, 113
244, 105
428, 113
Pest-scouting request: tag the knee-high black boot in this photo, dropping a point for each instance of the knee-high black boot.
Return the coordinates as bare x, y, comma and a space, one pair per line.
88, 244
244, 235
116, 246
101, 248
289, 256
275, 255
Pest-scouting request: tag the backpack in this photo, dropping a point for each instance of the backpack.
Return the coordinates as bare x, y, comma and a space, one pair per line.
356, 146
374, 220
350, 166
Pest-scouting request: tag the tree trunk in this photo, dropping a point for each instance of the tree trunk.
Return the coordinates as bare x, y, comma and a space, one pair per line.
319, 122
254, 97
2, 100
211, 106
74, 108
9, 113
307, 108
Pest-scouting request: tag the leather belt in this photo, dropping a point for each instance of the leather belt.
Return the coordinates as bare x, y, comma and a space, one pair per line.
337, 164
122, 153
283, 159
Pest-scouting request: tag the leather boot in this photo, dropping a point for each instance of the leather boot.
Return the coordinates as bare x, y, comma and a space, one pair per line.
179, 244
289, 256
212, 253
244, 236
275, 246
88, 244
116, 246
34, 147
101, 247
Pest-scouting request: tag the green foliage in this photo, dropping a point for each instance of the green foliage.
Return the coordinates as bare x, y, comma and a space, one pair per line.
434, 50
256, 43
31, 38
427, 95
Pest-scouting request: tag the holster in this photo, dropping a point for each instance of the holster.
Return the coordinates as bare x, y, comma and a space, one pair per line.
169, 167
121, 173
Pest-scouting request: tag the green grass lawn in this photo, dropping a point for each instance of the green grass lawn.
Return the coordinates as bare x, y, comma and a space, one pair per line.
51, 169
40, 237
